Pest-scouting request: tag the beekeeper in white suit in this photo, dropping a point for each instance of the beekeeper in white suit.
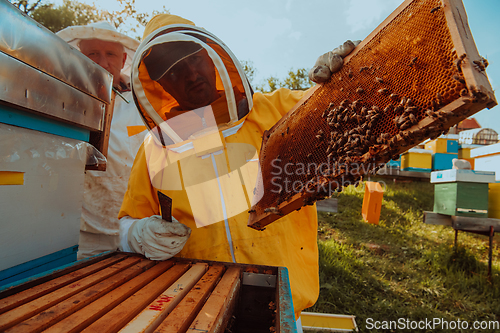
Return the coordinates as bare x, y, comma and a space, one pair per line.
104, 190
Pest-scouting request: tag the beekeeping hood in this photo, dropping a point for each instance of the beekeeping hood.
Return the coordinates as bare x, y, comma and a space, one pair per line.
105, 31
168, 40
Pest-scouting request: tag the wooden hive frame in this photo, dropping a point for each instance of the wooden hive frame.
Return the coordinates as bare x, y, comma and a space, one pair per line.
416, 75
124, 292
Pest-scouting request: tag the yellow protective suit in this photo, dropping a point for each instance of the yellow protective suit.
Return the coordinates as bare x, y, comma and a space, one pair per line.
211, 178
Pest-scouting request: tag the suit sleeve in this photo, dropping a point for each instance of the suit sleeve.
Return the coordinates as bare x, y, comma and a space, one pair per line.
140, 199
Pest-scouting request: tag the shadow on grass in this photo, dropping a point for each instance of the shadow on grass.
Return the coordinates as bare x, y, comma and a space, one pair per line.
349, 221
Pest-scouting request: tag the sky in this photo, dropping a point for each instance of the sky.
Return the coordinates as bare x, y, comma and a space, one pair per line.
277, 36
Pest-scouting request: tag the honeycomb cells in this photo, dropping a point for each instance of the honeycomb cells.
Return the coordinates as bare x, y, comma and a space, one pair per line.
405, 73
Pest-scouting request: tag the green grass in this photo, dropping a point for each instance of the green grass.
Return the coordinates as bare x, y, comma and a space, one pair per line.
403, 268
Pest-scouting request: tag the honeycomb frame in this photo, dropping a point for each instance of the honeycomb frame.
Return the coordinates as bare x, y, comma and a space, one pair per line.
415, 76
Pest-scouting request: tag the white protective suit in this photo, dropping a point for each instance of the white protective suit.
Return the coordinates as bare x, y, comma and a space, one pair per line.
104, 190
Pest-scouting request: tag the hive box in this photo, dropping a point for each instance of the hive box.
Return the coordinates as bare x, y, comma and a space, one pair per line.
464, 150
464, 153
494, 201
417, 160
372, 202
394, 163
454, 175
441, 161
487, 158
443, 145
128, 293
461, 192
40, 211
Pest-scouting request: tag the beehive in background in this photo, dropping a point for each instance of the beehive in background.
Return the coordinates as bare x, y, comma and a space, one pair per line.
415, 76
417, 160
443, 145
494, 200
372, 202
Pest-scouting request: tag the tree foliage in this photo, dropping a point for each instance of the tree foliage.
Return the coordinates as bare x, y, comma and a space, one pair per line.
68, 14
126, 18
249, 70
296, 80
25, 6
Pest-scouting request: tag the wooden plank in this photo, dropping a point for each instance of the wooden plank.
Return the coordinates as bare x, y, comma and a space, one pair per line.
437, 219
149, 319
117, 318
92, 312
185, 312
27, 295
464, 44
213, 317
65, 308
27, 310
475, 224
100, 140
329, 205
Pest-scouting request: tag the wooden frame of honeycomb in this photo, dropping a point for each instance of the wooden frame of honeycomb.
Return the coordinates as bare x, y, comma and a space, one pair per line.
412, 78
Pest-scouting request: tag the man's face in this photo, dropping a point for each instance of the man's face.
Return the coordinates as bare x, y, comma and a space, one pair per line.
108, 55
192, 81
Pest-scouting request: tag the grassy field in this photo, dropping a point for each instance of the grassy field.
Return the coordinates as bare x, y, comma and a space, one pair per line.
403, 268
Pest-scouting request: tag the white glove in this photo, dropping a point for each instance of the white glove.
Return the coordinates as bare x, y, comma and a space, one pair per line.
153, 237
331, 62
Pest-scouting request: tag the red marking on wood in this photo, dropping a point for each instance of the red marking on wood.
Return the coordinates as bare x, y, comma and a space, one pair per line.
155, 307
159, 304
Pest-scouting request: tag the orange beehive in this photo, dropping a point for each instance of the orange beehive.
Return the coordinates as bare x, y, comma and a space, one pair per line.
415, 76
372, 202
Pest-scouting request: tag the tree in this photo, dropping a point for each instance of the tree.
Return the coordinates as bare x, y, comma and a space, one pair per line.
249, 70
68, 14
25, 6
126, 20
296, 80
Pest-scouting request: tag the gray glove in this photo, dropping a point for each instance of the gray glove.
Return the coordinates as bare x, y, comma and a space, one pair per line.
157, 239
331, 62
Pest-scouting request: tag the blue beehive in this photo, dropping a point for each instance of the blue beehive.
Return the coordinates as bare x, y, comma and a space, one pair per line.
442, 161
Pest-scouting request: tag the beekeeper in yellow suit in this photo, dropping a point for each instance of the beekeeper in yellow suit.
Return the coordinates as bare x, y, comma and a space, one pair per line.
206, 126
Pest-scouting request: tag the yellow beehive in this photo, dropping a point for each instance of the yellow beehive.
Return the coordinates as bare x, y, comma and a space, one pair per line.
494, 200
417, 160
464, 153
442, 145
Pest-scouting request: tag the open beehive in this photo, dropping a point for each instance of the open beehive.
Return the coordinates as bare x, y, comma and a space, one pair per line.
124, 292
412, 78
